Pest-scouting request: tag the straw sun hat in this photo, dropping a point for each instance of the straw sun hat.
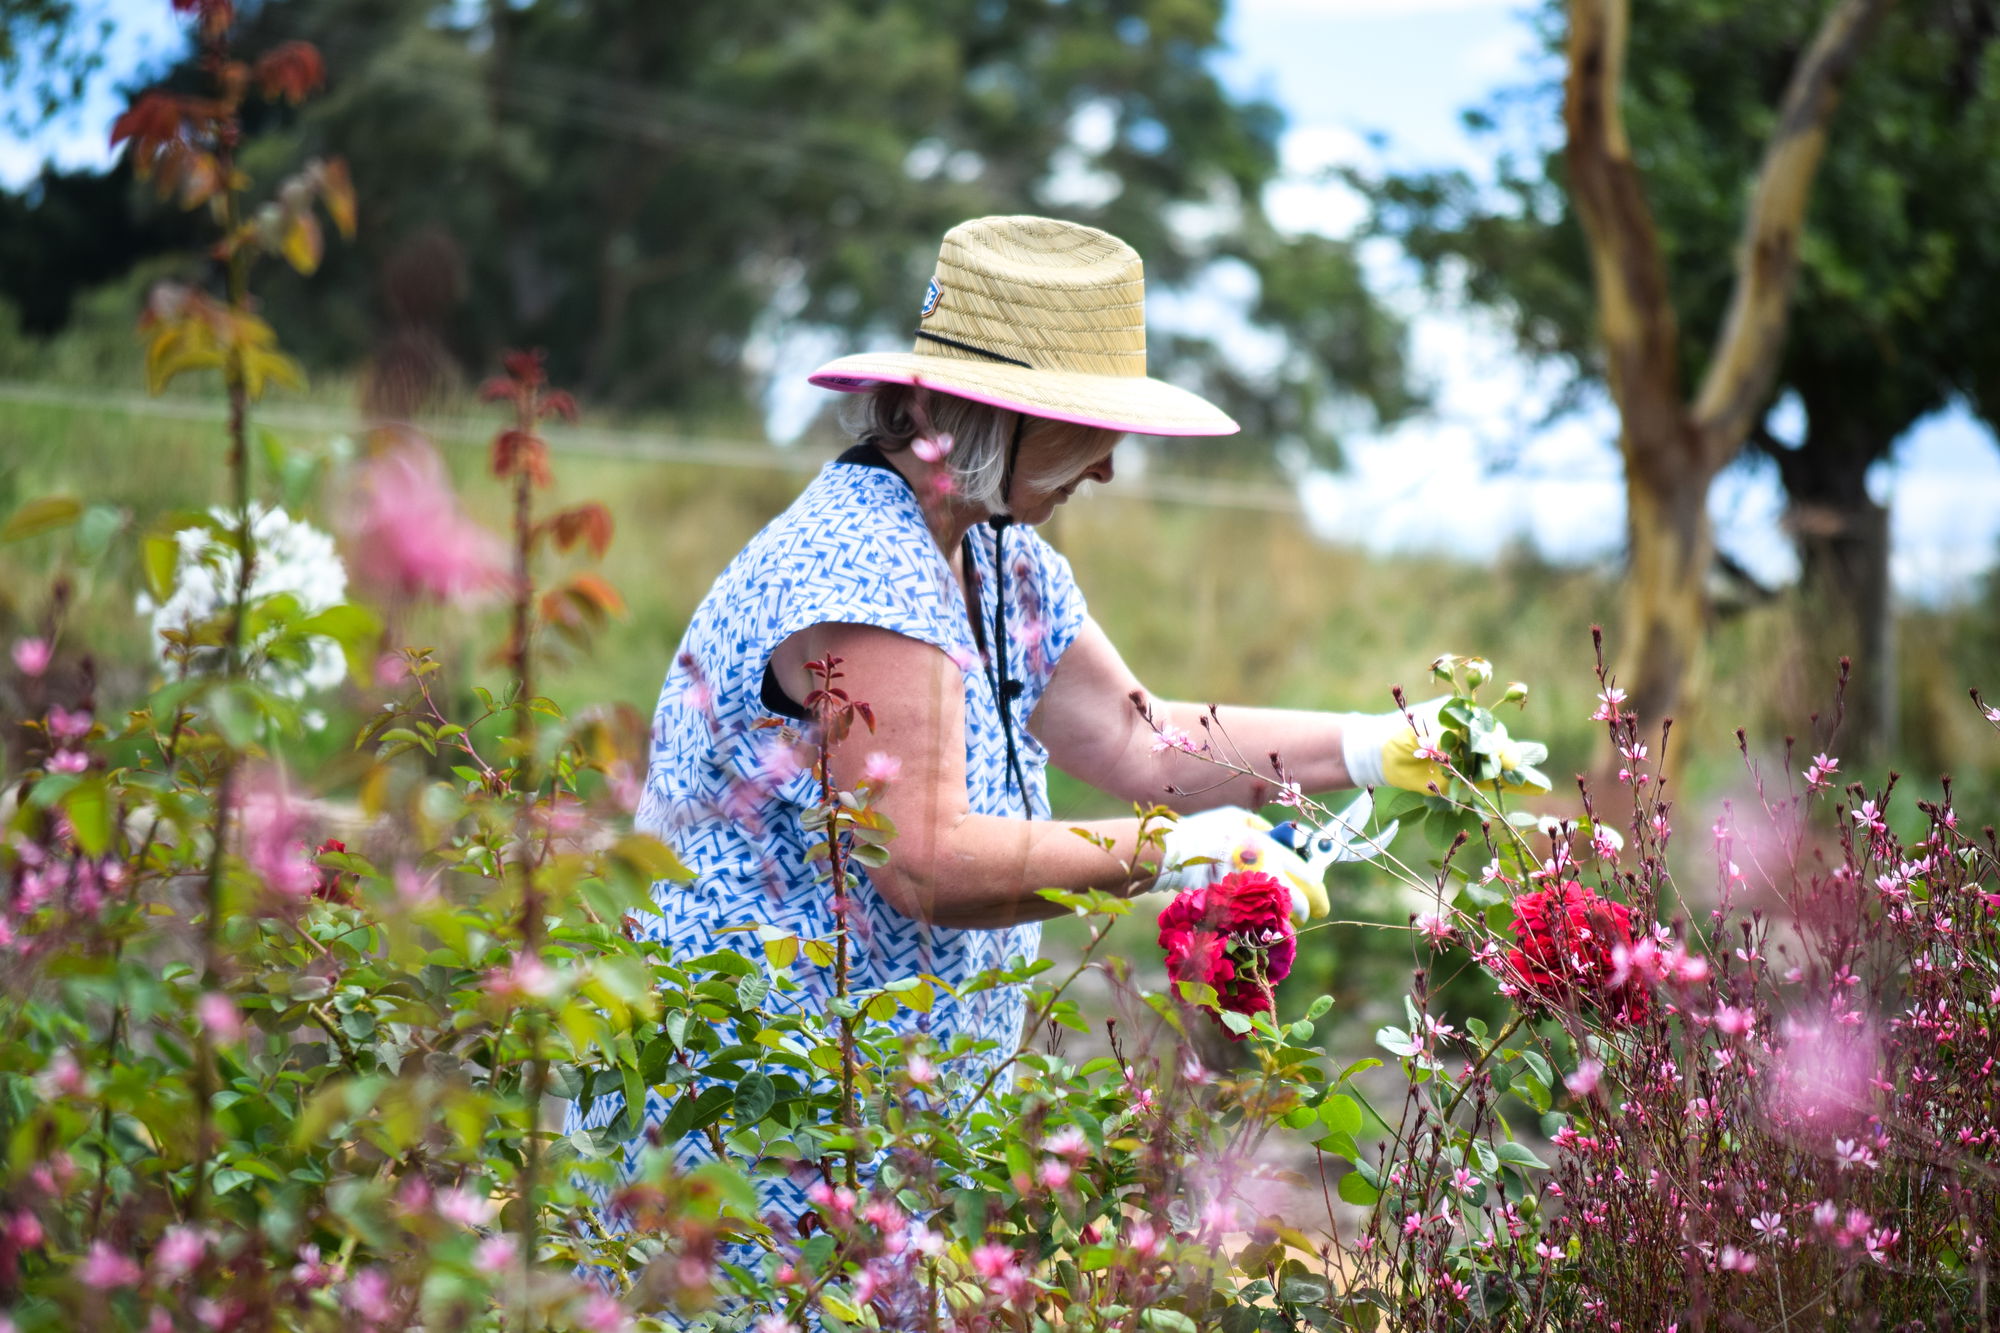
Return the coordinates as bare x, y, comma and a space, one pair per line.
1042, 317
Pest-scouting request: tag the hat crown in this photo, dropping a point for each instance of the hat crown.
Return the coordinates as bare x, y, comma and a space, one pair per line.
1056, 295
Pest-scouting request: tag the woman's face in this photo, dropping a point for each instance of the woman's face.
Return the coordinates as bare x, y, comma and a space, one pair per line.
1051, 467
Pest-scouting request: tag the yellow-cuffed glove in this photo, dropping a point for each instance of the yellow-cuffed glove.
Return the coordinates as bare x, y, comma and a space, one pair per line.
1394, 750
1202, 848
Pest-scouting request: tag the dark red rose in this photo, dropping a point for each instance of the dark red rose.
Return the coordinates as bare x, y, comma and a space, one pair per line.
1235, 935
331, 885
1566, 937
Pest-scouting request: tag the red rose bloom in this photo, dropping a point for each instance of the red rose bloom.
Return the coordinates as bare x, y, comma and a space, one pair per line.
1235, 935
1566, 937
330, 884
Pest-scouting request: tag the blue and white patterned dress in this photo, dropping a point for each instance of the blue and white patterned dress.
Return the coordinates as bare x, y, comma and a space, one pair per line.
852, 548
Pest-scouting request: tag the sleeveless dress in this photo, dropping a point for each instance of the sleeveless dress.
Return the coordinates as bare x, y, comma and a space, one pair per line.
724, 793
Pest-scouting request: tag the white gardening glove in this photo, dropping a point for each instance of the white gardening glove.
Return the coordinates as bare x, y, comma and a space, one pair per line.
1379, 749
1199, 849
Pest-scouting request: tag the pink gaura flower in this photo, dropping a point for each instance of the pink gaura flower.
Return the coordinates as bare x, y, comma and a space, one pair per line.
881, 769
463, 1207
1068, 1142
1584, 1081
370, 1296
105, 1268
219, 1015
407, 534
31, 656
68, 761
273, 842
1607, 704
179, 1251
67, 725
1171, 737
526, 978
601, 1313
495, 1255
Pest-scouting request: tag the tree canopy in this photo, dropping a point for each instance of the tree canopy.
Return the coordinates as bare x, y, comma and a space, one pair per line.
656, 201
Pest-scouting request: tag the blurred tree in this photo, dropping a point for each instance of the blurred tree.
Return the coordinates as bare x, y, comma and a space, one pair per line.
46, 48
1897, 263
659, 199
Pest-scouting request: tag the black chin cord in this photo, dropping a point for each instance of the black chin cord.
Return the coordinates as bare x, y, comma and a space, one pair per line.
1007, 689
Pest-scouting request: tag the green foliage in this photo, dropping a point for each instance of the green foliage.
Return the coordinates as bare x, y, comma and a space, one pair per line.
650, 200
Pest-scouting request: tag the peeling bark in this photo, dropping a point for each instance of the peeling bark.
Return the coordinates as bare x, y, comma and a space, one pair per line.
1672, 447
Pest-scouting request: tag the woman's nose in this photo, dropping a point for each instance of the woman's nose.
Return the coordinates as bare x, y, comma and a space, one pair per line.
1102, 472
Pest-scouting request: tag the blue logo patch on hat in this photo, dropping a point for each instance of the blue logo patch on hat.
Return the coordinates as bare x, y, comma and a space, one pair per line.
932, 295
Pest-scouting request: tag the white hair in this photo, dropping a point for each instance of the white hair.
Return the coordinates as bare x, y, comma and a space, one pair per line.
892, 416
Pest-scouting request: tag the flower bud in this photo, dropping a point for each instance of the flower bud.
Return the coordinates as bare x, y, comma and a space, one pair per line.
1477, 672
1517, 693
1444, 665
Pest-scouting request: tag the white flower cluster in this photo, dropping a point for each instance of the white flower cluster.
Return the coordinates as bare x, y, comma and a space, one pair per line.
292, 557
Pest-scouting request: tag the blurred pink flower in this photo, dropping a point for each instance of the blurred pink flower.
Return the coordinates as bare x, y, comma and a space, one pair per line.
881, 768
407, 533
69, 761
218, 1014
602, 1314
369, 1296
32, 656
106, 1267
67, 725
495, 1255
179, 1250
273, 838
1819, 1080
465, 1208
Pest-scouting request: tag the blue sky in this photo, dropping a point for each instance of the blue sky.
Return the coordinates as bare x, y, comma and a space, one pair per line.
1367, 81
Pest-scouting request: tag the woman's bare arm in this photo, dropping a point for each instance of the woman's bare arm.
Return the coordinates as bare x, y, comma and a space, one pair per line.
1093, 731
947, 866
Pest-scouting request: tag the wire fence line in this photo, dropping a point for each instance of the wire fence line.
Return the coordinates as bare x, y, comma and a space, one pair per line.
638, 446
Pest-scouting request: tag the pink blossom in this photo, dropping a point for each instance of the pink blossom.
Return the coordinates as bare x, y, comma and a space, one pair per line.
413, 889
773, 1323
1171, 737
1769, 1226
933, 448
68, 761
31, 656
369, 1295
1734, 1022
1068, 1142
1142, 1239
495, 1255
23, 1230
219, 1015
1434, 926
69, 725
1733, 1260
407, 534
105, 1267
310, 1273
920, 1070
179, 1251
1823, 766
881, 769
1607, 704
600, 1313
1870, 818
526, 978
273, 841
1054, 1175
1584, 1081
464, 1208
63, 1076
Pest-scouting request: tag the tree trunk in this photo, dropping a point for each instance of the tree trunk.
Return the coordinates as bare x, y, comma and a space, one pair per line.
1844, 610
1666, 590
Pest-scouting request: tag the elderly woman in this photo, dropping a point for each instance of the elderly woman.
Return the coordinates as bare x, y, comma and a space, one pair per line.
913, 561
